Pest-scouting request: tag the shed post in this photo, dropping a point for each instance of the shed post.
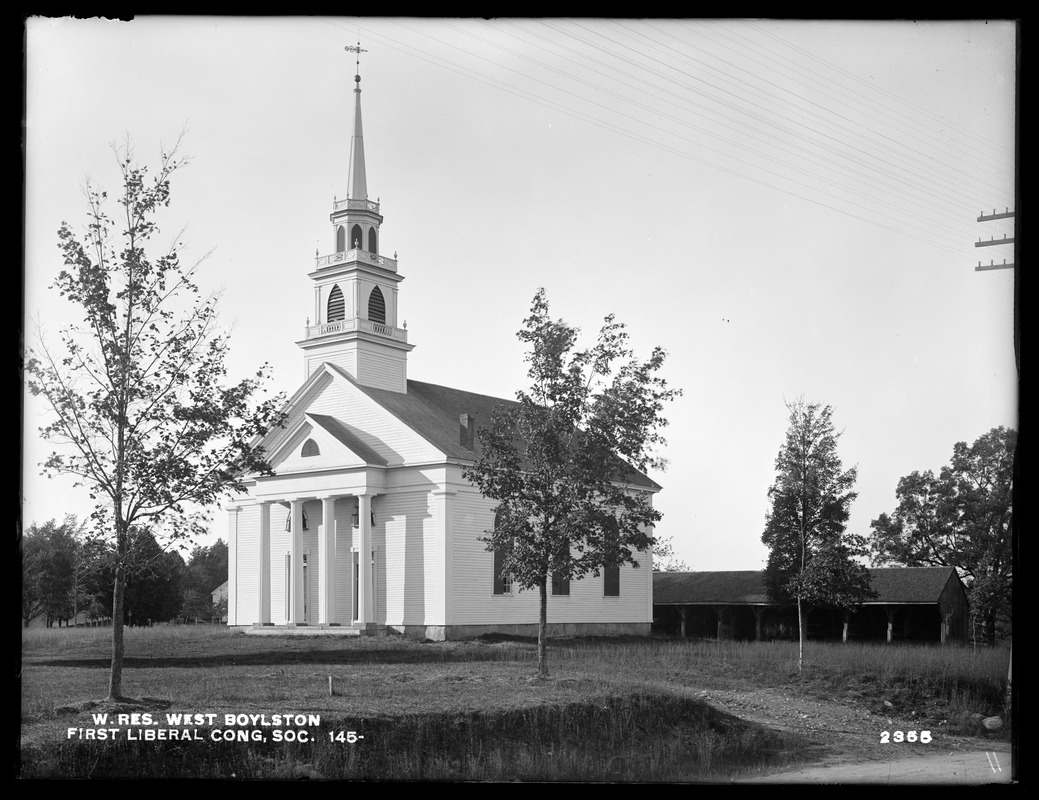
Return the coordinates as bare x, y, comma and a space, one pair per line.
719, 612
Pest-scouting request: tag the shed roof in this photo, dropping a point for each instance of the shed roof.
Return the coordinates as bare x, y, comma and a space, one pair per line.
893, 585
744, 587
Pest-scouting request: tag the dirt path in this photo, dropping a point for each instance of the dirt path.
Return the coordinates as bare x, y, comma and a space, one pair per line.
852, 747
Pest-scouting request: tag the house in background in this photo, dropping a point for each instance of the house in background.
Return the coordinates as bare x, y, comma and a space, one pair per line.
367, 523
922, 604
220, 594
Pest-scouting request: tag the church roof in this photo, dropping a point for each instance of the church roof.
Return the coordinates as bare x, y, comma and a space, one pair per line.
747, 587
433, 412
348, 438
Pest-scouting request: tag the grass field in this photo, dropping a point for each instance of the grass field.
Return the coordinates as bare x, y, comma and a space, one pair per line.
628, 709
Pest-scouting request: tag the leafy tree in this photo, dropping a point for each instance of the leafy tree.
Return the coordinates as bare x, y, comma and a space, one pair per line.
142, 414
960, 518
664, 558
197, 605
811, 559
207, 568
49, 564
33, 560
557, 460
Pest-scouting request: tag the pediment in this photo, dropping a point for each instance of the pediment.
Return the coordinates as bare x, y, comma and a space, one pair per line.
348, 428
320, 442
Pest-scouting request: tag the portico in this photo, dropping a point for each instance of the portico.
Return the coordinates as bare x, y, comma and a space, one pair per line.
319, 558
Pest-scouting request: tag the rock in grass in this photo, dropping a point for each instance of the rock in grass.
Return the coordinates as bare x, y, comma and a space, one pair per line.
992, 723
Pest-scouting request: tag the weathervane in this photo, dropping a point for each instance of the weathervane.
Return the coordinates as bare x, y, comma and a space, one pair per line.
351, 49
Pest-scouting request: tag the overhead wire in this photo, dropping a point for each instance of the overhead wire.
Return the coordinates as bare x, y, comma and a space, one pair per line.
657, 130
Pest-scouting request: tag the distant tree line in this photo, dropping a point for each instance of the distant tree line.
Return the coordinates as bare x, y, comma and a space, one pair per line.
68, 577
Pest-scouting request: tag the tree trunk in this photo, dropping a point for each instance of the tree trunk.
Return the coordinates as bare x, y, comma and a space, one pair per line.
115, 681
543, 631
800, 635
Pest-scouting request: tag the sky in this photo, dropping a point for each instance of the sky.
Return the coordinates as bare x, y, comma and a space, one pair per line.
789, 208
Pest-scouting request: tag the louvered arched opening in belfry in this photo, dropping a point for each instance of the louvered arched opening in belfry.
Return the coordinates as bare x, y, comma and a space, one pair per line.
377, 306
336, 305
310, 449
356, 237
340, 239
373, 242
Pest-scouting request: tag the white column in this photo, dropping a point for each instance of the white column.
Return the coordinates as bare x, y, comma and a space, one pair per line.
364, 526
445, 554
296, 553
232, 565
264, 582
327, 553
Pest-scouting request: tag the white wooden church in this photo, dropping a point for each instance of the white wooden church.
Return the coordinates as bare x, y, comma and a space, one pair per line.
367, 523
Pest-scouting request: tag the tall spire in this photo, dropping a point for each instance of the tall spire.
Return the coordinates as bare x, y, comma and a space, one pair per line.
358, 181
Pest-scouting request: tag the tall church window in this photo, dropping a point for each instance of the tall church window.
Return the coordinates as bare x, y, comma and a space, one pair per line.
336, 305
310, 449
356, 237
611, 574
377, 306
340, 239
373, 244
502, 584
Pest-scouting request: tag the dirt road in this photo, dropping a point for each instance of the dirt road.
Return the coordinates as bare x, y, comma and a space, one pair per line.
853, 744
968, 768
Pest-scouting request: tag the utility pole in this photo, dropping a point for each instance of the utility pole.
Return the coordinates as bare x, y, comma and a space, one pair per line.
1008, 214
992, 241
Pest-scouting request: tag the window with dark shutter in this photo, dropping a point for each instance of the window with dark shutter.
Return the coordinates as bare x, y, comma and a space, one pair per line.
340, 239
373, 243
336, 305
502, 585
611, 574
310, 449
560, 586
377, 306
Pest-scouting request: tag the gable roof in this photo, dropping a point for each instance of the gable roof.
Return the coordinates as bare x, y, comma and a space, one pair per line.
348, 438
747, 587
910, 584
433, 411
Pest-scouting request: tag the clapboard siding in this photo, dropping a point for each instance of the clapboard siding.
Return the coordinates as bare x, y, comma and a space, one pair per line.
345, 356
474, 601
379, 369
405, 535
344, 510
372, 424
243, 606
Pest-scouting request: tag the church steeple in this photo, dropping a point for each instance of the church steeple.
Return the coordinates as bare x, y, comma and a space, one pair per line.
358, 180
355, 288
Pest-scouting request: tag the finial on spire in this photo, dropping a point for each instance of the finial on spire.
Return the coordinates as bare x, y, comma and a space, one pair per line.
358, 50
